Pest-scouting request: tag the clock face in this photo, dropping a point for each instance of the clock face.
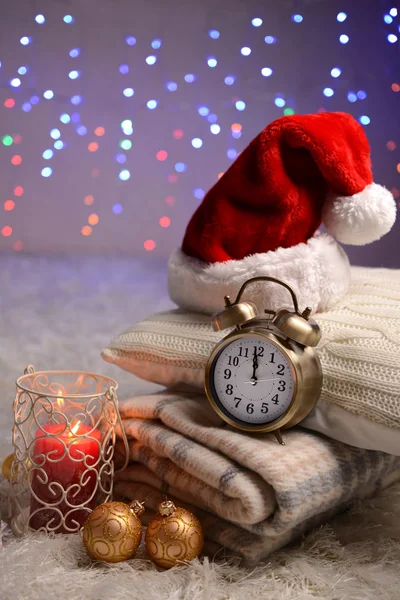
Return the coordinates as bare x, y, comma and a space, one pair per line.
252, 381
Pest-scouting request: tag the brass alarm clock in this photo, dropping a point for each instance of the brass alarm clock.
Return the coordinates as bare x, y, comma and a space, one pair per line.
265, 375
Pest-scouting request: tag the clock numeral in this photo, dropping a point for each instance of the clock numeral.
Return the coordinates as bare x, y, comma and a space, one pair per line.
229, 389
245, 352
272, 360
233, 361
259, 351
275, 399
282, 385
250, 408
238, 401
281, 369
264, 407
227, 374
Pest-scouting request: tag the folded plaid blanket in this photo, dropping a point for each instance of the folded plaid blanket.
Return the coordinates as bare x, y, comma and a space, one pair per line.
251, 494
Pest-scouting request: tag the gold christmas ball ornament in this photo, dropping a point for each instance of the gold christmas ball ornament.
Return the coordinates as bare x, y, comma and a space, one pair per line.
113, 531
6, 466
174, 536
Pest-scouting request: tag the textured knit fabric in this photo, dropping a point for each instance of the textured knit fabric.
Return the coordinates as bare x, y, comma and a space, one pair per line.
259, 494
359, 350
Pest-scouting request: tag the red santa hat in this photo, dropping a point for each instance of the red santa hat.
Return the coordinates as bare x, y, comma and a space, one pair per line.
262, 216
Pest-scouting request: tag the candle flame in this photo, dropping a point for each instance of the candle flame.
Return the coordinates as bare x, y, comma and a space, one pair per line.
60, 400
75, 428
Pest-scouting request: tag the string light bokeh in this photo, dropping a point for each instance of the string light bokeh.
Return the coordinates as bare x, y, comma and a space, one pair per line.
117, 117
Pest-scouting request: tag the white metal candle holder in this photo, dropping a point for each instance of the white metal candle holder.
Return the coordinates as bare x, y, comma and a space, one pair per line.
65, 425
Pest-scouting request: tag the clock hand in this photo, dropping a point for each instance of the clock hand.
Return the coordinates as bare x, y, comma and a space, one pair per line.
255, 367
259, 380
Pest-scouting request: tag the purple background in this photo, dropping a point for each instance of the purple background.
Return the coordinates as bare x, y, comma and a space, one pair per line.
49, 216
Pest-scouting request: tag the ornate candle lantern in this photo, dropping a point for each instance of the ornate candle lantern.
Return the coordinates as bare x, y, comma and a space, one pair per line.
64, 435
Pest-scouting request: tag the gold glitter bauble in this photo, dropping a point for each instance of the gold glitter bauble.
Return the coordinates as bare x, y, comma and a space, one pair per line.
6, 466
113, 531
174, 536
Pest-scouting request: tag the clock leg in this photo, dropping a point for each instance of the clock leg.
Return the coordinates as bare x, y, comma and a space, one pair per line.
278, 436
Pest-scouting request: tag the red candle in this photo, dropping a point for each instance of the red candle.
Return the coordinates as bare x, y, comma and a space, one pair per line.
64, 458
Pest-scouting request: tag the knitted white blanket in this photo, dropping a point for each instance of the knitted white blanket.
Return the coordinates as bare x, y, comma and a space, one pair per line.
359, 353
252, 495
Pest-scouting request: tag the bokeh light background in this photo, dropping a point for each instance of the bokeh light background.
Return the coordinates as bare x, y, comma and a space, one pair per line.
116, 116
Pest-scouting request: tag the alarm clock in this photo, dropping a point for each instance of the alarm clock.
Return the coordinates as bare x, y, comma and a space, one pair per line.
265, 375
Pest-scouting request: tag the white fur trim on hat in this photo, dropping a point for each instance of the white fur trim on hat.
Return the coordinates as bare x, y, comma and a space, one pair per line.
362, 218
318, 271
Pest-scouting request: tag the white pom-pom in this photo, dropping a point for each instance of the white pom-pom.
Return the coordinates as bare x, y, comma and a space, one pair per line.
362, 218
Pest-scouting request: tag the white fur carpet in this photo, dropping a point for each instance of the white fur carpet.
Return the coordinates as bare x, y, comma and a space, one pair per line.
58, 314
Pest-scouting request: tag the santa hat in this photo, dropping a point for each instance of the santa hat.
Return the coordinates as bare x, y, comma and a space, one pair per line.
261, 217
